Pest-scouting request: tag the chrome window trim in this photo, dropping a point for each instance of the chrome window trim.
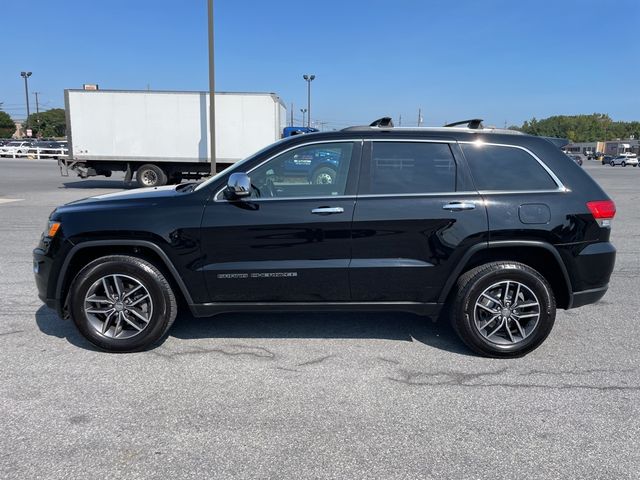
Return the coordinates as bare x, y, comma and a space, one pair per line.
319, 142
554, 177
561, 188
432, 194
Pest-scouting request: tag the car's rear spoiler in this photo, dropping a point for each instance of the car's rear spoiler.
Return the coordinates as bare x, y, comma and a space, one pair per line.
558, 142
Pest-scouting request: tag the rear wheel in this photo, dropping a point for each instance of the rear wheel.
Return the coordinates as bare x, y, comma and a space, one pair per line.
624, 164
121, 303
150, 175
503, 309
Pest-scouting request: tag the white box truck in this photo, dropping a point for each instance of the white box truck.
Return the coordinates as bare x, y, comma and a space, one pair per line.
163, 137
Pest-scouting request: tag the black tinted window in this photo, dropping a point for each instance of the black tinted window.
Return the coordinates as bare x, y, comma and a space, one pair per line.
505, 168
412, 167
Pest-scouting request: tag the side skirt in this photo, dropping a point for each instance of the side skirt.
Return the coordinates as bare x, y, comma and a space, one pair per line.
211, 309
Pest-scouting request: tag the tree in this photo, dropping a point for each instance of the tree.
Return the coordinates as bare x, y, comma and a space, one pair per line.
50, 123
7, 126
581, 128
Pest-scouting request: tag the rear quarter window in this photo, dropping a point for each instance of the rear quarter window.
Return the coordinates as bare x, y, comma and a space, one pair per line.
504, 168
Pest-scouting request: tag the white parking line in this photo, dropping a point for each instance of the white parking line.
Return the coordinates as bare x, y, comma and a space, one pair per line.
10, 200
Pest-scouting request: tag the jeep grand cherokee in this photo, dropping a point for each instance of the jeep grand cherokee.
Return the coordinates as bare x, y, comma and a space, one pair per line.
490, 228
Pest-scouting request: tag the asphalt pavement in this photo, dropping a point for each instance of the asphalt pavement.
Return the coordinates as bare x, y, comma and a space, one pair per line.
305, 396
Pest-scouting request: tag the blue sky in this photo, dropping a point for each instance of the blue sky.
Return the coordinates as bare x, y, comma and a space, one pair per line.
504, 61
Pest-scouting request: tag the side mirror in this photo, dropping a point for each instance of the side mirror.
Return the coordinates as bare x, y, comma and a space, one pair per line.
238, 186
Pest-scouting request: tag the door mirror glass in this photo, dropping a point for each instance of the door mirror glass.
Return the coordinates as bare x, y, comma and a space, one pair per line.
238, 186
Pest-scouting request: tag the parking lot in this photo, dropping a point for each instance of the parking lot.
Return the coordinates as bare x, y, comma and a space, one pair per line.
324, 395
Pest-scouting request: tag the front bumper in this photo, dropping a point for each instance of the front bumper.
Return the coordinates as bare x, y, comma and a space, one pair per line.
43, 272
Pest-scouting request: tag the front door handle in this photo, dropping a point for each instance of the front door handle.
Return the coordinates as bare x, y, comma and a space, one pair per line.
458, 206
327, 210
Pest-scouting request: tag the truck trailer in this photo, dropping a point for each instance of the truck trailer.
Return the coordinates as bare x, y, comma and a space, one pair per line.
161, 137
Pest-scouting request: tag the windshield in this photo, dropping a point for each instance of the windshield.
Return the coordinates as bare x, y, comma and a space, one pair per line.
218, 175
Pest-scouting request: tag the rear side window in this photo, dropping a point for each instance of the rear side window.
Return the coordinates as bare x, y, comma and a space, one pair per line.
411, 167
501, 168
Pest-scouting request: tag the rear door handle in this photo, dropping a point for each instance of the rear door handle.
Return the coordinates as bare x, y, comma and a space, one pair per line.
327, 210
458, 206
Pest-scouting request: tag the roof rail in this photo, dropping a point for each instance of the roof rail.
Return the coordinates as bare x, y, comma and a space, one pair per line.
473, 124
384, 122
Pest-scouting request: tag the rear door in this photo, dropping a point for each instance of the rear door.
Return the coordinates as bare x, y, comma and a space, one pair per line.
416, 214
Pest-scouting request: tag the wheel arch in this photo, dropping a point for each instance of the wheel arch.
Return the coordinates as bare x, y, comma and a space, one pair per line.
84, 252
539, 255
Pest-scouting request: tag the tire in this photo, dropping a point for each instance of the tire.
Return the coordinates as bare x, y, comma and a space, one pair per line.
323, 175
159, 309
512, 338
150, 175
612, 163
624, 164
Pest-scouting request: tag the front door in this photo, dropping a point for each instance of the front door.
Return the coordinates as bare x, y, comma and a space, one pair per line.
291, 240
416, 213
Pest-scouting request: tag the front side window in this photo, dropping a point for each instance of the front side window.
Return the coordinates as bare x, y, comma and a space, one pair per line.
412, 167
502, 168
318, 170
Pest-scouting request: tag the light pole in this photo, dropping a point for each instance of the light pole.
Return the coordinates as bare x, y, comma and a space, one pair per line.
212, 101
309, 79
26, 75
303, 110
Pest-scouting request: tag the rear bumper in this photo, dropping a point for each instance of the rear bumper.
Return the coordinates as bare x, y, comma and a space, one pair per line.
585, 297
590, 273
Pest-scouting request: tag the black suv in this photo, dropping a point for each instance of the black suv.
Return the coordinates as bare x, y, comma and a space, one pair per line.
492, 228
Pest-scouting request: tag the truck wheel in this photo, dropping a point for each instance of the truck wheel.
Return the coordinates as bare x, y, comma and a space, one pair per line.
503, 309
150, 175
323, 175
121, 303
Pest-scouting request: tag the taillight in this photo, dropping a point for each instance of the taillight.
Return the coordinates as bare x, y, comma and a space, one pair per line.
603, 211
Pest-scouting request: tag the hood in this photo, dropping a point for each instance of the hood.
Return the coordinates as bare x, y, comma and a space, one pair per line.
131, 195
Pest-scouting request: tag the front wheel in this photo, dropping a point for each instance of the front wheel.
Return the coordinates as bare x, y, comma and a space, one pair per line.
121, 303
503, 309
624, 164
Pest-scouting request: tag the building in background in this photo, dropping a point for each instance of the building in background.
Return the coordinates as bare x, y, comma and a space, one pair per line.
617, 147
584, 148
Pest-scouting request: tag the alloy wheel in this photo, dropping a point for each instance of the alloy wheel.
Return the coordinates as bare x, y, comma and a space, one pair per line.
118, 306
506, 313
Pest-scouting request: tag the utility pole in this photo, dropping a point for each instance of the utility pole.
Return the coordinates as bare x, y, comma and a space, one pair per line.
39, 135
303, 110
419, 117
309, 79
212, 96
291, 122
26, 75
400, 120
